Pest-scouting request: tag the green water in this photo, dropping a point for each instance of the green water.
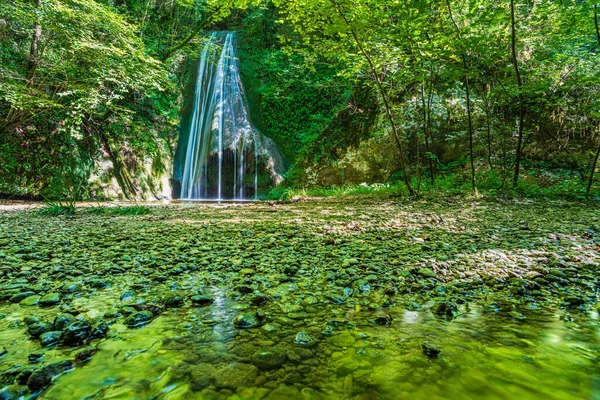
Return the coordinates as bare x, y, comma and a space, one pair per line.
197, 353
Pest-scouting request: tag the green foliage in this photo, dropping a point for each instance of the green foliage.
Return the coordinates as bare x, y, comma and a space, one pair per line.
57, 208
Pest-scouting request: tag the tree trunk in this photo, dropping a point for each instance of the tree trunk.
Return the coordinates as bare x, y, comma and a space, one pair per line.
489, 129
589, 186
470, 124
34, 51
383, 93
519, 85
591, 180
119, 169
470, 120
426, 125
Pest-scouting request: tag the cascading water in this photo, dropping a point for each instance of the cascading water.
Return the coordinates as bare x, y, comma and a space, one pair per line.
220, 155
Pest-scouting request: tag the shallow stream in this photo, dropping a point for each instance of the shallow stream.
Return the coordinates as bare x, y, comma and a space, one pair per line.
491, 352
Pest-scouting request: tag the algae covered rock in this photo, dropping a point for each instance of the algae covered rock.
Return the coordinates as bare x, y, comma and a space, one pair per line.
235, 375
50, 299
269, 358
139, 318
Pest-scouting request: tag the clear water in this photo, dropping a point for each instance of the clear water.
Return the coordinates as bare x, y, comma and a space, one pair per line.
484, 354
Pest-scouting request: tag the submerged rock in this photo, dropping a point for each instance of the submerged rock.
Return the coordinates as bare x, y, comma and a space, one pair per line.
446, 308
235, 375
139, 318
202, 299
247, 320
42, 377
269, 358
431, 350
304, 339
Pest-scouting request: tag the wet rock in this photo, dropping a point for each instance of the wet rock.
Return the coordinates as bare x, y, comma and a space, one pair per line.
12, 392
17, 298
63, 320
269, 358
202, 300
70, 287
245, 289
127, 296
173, 301
284, 392
83, 356
344, 339
412, 306
446, 308
76, 333
42, 377
35, 358
30, 301
50, 299
99, 330
37, 328
382, 318
247, 320
304, 339
257, 298
201, 376
430, 350
50, 338
235, 375
426, 273
32, 319
139, 318
574, 301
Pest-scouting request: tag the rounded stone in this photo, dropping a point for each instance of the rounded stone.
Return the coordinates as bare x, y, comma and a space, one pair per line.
235, 375
304, 339
139, 318
50, 299
269, 358
50, 338
30, 301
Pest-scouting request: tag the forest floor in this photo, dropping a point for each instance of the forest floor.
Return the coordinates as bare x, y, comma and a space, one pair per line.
255, 275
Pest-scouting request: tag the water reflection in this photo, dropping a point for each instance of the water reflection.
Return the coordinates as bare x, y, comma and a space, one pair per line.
484, 354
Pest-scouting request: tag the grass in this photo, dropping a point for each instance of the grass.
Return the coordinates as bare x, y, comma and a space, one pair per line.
63, 208
134, 210
531, 185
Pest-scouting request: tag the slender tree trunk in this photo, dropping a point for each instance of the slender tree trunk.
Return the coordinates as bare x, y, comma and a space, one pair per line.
591, 180
470, 120
426, 107
34, 51
384, 97
519, 86
470, 124
489, 131
589, 186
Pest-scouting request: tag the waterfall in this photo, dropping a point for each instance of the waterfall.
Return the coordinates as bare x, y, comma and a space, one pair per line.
220, 154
